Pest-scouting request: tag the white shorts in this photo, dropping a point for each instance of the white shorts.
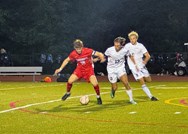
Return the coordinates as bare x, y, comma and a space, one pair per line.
143, 72
114, 75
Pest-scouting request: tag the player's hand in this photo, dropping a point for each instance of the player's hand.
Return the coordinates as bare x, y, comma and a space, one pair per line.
96, 59
57, 71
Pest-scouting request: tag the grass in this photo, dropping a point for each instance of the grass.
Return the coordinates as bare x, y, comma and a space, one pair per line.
115, 115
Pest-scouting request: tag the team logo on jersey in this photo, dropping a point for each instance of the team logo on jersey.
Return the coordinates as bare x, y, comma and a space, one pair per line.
82, 59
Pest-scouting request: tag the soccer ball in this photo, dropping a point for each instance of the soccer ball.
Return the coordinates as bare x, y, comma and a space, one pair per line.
47, 79
84, 100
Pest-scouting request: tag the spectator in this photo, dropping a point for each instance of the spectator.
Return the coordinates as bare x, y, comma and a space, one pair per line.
4, 58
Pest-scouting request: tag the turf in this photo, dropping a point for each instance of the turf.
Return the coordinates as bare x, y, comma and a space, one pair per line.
44, 112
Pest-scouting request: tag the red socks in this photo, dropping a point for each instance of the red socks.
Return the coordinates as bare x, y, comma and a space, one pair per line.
97, 90
69, 86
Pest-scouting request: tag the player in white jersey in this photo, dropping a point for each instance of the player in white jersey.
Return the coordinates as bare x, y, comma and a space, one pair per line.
116, 67
141, 57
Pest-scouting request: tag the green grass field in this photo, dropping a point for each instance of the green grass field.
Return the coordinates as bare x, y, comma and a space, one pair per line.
37, 108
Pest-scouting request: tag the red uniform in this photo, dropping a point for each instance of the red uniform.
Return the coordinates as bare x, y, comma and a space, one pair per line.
85, 66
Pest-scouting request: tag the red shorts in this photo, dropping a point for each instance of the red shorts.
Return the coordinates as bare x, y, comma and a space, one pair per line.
86, 73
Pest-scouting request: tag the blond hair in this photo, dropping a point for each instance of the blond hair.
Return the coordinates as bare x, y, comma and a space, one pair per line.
133, 33
78, 43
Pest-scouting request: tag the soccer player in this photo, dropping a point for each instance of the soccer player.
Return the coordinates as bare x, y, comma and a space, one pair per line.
84, 68
116, 67
141, 57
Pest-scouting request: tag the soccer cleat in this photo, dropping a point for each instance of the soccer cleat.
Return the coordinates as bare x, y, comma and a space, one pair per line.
154, 98
112, 94
99, 101
65, 96
133, 102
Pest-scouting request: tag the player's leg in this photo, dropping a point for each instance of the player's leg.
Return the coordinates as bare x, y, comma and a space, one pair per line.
145, 88
128, 90
139, 76
112, 77
145, 72
146, 78
95, 84
113, 90
71, 80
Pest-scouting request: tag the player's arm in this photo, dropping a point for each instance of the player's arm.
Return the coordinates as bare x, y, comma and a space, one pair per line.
100, 56
132, 59
134, 62
130, 54
95, 59
146, 54
147, 58
65, 62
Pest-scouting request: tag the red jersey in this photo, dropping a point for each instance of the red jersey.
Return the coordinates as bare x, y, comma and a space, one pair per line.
85, 66
84, 60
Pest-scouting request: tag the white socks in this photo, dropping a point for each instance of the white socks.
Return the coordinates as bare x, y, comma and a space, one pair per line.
147, 91
130, 94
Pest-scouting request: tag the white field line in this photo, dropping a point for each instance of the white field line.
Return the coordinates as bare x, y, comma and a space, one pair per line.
171, 87
4, 89
51, 101
156, 87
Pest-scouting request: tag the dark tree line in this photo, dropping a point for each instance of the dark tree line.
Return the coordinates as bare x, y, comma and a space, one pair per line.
36, 26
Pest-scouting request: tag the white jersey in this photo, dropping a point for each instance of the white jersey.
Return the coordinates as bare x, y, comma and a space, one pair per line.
116, 59
138, 50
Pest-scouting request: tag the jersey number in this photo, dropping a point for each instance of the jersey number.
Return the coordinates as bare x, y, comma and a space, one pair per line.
117, 61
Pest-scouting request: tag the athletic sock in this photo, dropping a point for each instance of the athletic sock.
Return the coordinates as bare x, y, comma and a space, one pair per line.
147, 91
69, 86
130, 94
97, 90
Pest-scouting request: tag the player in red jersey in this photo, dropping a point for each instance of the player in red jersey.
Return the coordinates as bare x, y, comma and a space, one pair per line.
84, 69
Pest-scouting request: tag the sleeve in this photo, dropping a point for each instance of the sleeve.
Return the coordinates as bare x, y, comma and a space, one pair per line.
126, 51
89, 51
71, 56
144, 50
93, 52
107, 52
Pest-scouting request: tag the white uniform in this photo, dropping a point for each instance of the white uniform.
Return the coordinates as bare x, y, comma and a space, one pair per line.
138, 52
116, 63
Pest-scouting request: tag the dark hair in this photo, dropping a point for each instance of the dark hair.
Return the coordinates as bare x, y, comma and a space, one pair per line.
121, 40
78, 43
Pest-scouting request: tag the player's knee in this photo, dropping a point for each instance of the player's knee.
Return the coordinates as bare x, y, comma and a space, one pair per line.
70, 81
148, 79
94, 83
142, 81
